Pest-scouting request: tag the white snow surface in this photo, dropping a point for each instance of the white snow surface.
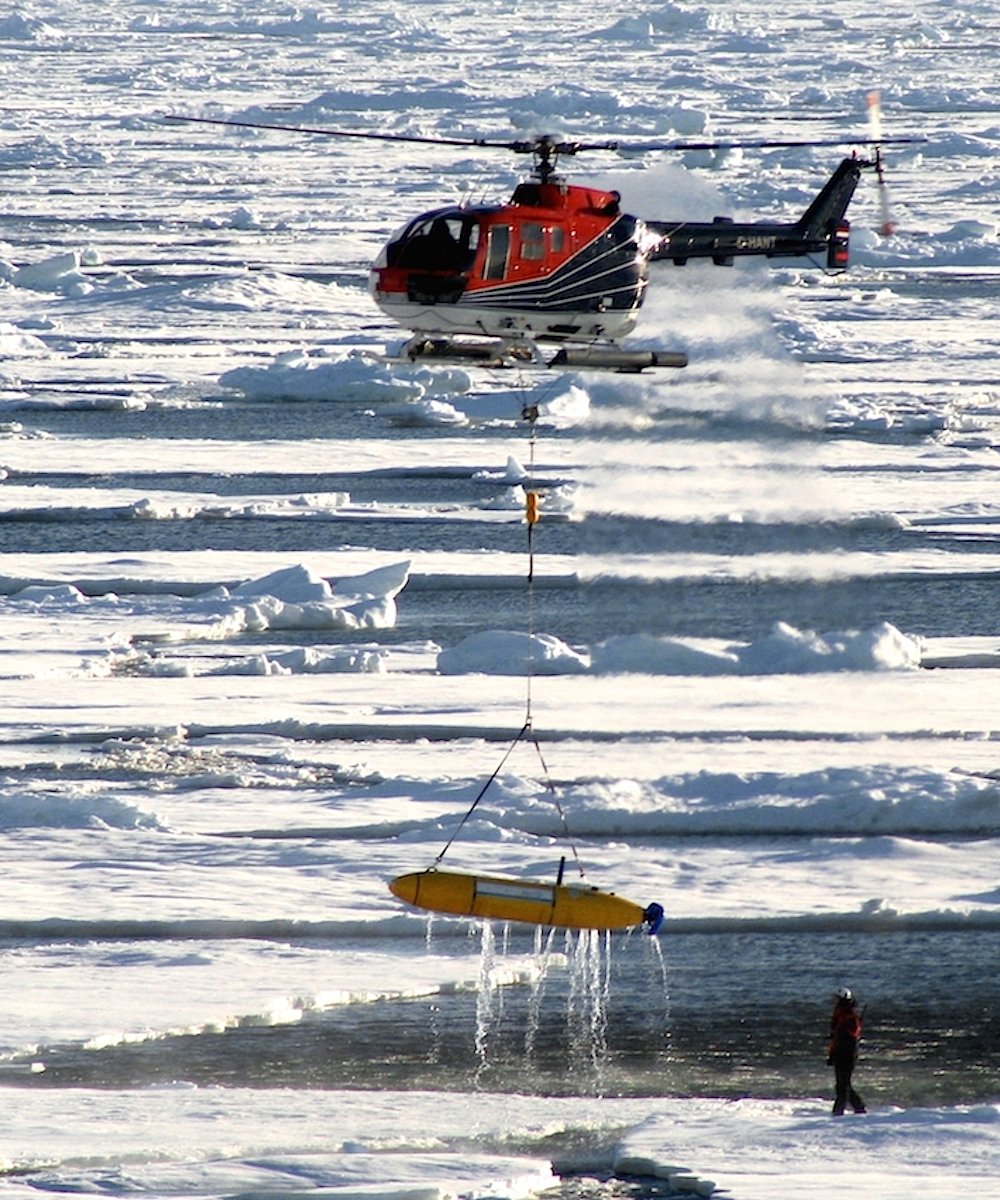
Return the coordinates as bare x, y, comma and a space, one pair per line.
190, 702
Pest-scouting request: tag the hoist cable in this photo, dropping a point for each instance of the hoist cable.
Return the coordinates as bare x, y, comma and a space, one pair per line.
530, 414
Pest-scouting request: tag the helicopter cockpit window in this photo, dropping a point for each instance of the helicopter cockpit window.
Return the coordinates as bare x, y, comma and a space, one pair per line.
446, 242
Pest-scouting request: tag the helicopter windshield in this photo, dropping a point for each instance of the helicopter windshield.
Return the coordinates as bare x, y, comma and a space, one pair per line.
442, 241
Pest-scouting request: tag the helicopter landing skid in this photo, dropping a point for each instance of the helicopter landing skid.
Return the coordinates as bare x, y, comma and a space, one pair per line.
523, 352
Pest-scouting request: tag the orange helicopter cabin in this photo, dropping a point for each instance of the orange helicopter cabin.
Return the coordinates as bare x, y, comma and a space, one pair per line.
553, 249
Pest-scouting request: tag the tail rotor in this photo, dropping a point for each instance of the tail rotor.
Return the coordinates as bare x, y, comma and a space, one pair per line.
887, 225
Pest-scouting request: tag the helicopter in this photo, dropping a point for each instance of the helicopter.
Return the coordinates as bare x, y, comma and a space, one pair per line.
561, 264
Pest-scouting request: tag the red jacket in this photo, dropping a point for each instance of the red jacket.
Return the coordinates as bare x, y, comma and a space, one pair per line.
845, 1028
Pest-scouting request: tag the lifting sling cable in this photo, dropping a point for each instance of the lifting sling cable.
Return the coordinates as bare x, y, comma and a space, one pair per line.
530, 414
482, 792
559, 808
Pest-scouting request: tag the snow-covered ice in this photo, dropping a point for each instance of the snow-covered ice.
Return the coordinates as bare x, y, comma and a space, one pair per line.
265, 630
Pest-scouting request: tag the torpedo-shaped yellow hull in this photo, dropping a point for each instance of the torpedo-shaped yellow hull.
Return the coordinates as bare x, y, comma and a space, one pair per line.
566, 905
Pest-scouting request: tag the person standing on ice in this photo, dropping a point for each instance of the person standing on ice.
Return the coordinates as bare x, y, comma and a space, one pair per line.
842, 1051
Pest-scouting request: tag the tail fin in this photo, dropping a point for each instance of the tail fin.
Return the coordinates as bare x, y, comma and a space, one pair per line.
824, 220
830, 205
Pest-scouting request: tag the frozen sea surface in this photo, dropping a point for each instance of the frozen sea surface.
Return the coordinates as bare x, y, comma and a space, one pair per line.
265, 628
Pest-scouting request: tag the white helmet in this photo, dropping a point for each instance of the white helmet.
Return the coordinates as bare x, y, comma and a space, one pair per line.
845, 993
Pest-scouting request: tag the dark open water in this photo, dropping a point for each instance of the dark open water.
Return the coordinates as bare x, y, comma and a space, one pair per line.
740, 1014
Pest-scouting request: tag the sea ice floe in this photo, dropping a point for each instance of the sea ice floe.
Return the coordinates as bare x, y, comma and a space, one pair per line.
60, 273
785, 650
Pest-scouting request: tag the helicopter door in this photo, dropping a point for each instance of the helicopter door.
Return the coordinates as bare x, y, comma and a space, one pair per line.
497, 252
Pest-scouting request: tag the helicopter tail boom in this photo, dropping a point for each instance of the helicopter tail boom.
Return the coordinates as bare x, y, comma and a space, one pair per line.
822, 229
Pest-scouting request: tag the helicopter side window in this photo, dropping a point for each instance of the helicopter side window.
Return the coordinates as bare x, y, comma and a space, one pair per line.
532, 241
497, 252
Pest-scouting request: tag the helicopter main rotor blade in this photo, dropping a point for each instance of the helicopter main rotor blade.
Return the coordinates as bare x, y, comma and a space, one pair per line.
539, 145
548, 146
766, 143
347, 133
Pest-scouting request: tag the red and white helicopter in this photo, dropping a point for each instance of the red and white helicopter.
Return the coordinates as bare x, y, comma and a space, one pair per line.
561, 264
